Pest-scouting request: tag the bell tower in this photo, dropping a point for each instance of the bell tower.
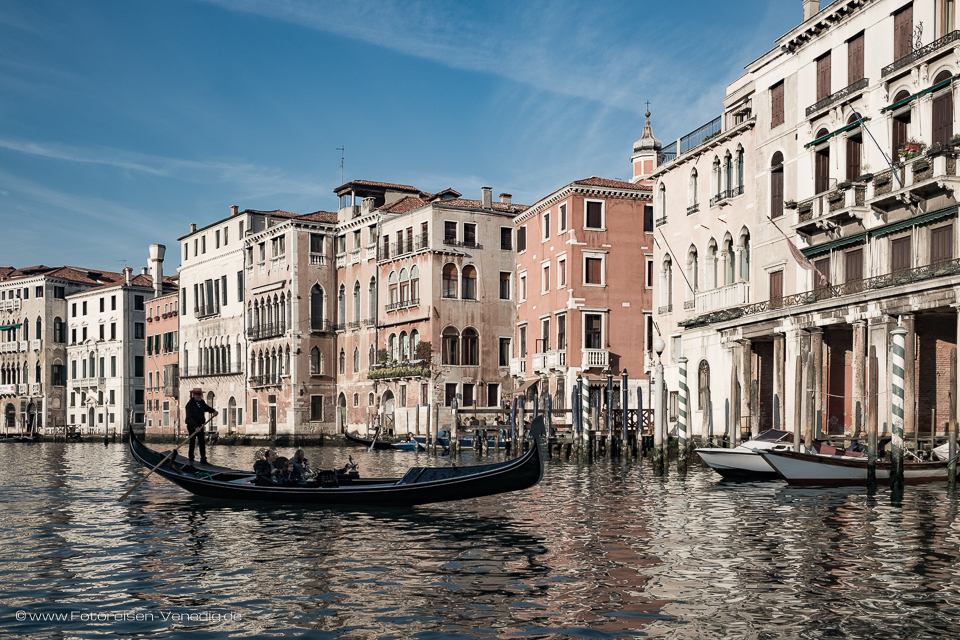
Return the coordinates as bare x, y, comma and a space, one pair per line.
646, 152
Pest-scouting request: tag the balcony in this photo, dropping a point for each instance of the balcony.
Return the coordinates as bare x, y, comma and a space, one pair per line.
731, 295
35, 389
661, 221
726, 195
591, 358
278, 263
667, 308
8, 389
355, 325
270, 380
355, 256
518, 366
341, 261
35, 345
412, 369
371, 252
832, 208
22, 389
404, 247
24, 345
923, 177
403, 304
9, 347
370, 322
210, 371
340, 326
319, 325
848, 93
88, 383
10, 305
553, 359
318, 260
264, 331
918, 54
466, 244
692, 209
209, 311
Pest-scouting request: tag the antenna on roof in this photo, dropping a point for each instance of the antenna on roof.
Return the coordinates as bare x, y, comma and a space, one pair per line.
341, 150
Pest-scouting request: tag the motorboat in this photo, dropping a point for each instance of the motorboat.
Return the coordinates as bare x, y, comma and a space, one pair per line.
845, 468
743, 462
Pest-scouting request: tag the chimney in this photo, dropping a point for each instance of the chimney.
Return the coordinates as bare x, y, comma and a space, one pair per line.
234, 210
156, 266
193, 227
486, 201
143, 271
810, 9
128, 274
506, 198
368, 205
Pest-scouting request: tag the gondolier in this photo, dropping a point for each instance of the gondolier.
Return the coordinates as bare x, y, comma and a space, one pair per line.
195, 413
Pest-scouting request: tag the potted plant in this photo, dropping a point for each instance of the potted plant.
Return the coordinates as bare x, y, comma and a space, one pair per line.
843, 186
936, 149
911, 149
919, 165
954, 140
790, 204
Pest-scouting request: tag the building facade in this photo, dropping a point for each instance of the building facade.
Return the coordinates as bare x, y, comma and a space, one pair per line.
584, 289
162, 350
853, 158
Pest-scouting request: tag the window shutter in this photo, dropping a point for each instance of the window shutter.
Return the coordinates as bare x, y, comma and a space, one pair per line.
823, 266
776, 193
776, 105
943, 116
823, 76
776, 285
900, 252
855, 59
853, 158
941, 244
902, 32
853, 268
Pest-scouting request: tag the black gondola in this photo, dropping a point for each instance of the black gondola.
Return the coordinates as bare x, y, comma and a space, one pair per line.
379, 445
420, 485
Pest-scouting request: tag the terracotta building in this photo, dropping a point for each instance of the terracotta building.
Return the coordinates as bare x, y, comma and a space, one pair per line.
162, 351
583, 287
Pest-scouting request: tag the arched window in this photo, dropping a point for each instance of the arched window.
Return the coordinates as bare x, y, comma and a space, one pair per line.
393, 288
38, 328
356, 399
449, 281
356, 302
662, 200
404, 346
356, 359
745, 256
717, 177
776, 185
414, 285
901, 126
728, 174
343, 362
404, 286
315, 369
693, 196
469, 282
59, 330
821, 167
471, 347
729, 264
370, 400
451, 346
693, 272
371, 300
739, 170
316, 308
392, 348
414, 341
703, 386
666, 283
342, 306
371, 357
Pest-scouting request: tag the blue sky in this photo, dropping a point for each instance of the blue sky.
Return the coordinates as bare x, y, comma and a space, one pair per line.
123, 122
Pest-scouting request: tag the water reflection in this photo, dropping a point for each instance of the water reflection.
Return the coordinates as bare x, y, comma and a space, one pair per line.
604, 550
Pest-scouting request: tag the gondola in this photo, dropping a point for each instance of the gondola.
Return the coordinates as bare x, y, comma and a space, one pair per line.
420, 485
379, 445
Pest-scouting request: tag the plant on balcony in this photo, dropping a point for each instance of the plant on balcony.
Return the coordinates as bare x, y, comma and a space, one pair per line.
806, 207
911, 149
865, 177
843, 186
954, 140
424, 351
882, 178
936, 149
920, 165
790, 204
407, 370
383, 356
835, 196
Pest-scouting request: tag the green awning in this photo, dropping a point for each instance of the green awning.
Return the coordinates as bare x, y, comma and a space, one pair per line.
10, 326
910, 99
836, 244
909, 222
830, 135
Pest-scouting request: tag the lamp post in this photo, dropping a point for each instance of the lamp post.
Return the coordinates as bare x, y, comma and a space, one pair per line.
657, 402
609, 407
623, 409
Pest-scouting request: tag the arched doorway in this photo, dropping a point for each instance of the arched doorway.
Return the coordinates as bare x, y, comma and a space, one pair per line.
341, 414
232, 414
91, 418
31, 417
388, 403
11, 418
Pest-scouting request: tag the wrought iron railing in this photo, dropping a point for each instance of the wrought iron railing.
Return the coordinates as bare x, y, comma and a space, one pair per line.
469, 244
271, 330
668, 153
922, 52
319, 325
667, 308
340, 326
839, 95
265, 380
355, 325
661, 221
692, 209
696, 138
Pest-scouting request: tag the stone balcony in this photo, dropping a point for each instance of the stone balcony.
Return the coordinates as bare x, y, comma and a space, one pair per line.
88, 383
35, 345
10, 305
593, 358
554, 359
518, 366
731, 295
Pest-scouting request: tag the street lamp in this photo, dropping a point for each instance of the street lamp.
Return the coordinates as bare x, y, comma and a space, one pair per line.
658, 346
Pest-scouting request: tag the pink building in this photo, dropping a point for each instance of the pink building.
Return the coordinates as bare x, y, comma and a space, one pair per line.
584, 277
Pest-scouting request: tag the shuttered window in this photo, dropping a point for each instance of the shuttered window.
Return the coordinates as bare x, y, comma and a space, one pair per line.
776, 105
822, 170
776, 285
522, 239
594, 271
899, 134
594, 215
943, 116
853, 267
823, 76
823, 266
854, 150
855, 59
776, 191
941, 244
900, 254
903, 32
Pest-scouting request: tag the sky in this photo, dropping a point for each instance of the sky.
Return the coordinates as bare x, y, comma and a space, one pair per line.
123, 122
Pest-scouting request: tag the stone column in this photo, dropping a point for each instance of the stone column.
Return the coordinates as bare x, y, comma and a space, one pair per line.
816, 348
859, 404
779, 380
746, 385
909, 376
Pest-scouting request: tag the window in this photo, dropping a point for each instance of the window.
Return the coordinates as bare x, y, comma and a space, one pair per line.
562, 218
449, 232
822, 165
101, 305
903, 32
561, 332
522, 239
113, 303
505, 285
562, 272
648, 218
855, 58
506, 238
544, 335
356, 359
941, 244
593, 214
84, 303
648, 333
59, 330
316, 248
504, 354
139, 330
342, 369
469, 234
901, 126
113, 330
546, 225
59, 293
450, 281
592, 331
450, 346
823, 267
493, 394
776, 285
823, 76
253, 409
776, 105
38, 291
316, 308
776, 186
545, 279
943, 111
853, 265
138, 366
471, 348
137, 304
469, 283
593, 270
648, 280
947, 17
523, 287
467, 395
315, 360
356, 399
449, 394
216, 235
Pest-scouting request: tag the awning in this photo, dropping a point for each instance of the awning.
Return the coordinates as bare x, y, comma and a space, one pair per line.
526, 385
830, 135
897, 105
909, 222
836, 244
10, 326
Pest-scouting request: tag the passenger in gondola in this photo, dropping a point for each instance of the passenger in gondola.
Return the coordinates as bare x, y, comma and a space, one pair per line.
289, 477
263, 466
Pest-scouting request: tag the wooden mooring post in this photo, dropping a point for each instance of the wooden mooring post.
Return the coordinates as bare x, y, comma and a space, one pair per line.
657, 401
873, 416
952, 426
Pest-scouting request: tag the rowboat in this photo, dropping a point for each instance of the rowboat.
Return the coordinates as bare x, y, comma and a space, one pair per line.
744, 462
804, 468
419, 485
378, 445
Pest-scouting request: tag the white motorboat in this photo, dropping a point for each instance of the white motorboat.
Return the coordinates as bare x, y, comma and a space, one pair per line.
943, 451
743, 462
847, 469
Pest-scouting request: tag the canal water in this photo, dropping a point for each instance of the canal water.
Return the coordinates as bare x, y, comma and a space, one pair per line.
598, 550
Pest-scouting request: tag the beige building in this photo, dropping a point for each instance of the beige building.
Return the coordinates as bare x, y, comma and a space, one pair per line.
854, 88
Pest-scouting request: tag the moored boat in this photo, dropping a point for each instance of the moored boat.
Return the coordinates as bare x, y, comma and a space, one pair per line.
743, 462
420, 485
804, 468
380, 445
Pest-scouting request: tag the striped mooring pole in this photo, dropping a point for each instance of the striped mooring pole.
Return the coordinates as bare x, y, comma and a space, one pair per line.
585, 424
897, 443
682, 419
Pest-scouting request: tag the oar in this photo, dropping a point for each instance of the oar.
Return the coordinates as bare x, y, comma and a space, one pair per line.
374, 442
168, 456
